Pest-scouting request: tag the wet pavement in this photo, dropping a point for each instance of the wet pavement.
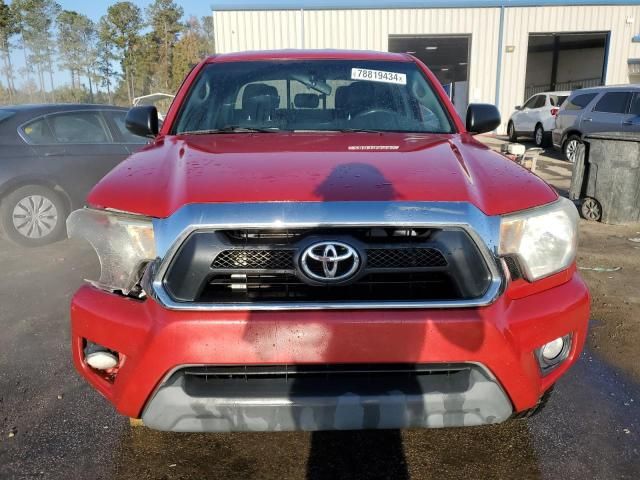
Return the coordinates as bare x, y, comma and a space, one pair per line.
54, 426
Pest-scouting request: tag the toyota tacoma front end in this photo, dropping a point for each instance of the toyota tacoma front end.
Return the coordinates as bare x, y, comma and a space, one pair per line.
315, 241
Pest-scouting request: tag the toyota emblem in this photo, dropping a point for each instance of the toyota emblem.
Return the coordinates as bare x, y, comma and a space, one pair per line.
329, 262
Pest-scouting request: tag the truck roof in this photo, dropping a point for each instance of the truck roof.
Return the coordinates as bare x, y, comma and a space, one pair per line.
310, 55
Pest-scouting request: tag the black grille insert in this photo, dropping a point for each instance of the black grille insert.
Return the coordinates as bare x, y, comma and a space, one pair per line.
321, 379
323, 370
405, 258
278, 259
274, 287
247, 259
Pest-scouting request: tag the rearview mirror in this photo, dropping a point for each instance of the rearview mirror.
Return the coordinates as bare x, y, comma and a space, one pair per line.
482, 117
143, 121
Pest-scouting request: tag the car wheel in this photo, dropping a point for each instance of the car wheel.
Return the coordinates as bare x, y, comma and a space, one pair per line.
539, 136
511, 131
33, 216
571, 148
591, 209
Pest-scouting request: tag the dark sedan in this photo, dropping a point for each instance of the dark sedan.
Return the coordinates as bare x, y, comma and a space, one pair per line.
50, 157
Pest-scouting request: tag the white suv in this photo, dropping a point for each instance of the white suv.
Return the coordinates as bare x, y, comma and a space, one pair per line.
536, 118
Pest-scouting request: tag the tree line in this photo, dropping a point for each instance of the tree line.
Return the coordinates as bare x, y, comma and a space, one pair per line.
154, 50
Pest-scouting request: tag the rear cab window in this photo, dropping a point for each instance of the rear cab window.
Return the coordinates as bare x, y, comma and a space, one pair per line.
580, 101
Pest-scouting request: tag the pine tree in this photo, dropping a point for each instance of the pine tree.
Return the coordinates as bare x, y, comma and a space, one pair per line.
8, 29
36, 21
122, 25
105, 58
164, 19
190, 49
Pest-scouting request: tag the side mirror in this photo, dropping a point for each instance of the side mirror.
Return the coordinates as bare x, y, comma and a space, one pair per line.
482, 117
518, 107
142, 121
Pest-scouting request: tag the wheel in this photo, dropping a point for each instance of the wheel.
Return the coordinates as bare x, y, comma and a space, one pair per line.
591, 209
511, 131
32, 216
571, 147
539, 136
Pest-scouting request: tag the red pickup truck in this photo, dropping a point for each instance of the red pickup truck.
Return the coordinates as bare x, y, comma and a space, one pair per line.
314, 240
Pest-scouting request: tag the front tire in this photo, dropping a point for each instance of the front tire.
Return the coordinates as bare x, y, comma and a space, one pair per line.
591, 209
571, 148
511, 131
32, 216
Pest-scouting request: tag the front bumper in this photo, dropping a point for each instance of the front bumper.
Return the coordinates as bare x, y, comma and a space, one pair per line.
500, 339
452, 395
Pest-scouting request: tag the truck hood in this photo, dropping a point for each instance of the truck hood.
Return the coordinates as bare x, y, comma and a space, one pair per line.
316, 167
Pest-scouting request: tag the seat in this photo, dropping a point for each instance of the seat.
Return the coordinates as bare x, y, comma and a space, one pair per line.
361, 96
377, 99
259, 103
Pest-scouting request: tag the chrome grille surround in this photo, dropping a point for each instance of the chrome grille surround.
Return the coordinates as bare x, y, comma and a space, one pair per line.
171, 232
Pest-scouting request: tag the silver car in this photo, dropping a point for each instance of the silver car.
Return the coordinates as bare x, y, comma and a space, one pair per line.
598, 109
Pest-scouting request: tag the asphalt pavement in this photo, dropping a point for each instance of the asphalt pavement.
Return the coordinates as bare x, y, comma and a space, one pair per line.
54, 426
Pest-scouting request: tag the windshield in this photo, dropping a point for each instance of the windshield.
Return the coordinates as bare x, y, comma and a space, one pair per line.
324, 95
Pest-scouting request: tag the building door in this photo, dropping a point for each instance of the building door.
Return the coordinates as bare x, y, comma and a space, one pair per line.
559, 62
447, 56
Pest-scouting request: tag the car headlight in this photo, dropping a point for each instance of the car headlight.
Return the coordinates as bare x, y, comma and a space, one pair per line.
544, 239
123, 242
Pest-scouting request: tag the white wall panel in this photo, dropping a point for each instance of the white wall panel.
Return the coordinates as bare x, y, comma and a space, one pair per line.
257, 30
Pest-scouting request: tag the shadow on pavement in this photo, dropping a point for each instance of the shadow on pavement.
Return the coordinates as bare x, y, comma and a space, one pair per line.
500, 451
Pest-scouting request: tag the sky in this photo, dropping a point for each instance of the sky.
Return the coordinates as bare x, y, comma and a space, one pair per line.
94, 9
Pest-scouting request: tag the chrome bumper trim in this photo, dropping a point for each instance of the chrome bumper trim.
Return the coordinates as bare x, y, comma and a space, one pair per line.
171, 232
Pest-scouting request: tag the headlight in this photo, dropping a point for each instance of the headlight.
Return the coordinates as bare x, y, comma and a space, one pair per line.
122, 241
544, 239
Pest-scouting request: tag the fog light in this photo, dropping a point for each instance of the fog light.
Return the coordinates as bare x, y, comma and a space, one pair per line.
101, 360
551, 354
552, 349
99, 357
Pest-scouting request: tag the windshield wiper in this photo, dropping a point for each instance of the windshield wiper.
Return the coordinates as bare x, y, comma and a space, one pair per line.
364, 130
231, 129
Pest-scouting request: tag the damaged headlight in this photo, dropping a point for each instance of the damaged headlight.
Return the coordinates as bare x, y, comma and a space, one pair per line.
543, 240
123, 242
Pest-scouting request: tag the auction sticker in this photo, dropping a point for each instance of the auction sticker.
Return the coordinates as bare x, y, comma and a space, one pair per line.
378, 76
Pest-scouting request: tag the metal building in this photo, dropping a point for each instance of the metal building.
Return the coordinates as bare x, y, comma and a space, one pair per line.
496, 51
